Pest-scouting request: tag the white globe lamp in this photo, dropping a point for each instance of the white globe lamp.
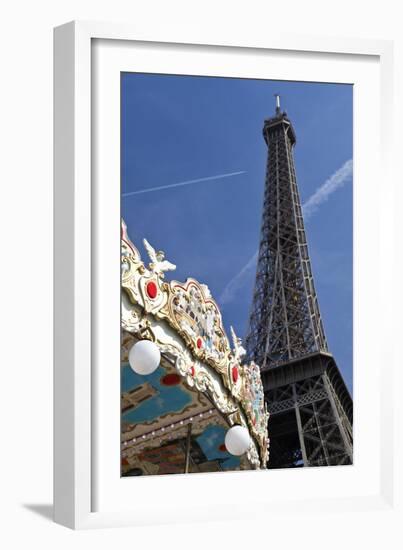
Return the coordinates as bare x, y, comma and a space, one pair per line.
237, 440
144, 357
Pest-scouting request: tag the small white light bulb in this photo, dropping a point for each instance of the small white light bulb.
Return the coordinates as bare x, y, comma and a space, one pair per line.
237, 440
144, 357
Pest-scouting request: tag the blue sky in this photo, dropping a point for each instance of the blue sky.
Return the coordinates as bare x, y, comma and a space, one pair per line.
180, 128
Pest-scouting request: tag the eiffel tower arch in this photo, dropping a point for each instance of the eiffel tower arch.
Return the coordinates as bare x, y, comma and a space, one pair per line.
310, 406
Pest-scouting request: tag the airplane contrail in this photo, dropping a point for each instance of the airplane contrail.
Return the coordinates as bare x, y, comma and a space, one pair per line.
334, 182
181, 183
236, 282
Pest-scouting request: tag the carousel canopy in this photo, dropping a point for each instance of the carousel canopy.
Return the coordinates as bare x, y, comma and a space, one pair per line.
189, 403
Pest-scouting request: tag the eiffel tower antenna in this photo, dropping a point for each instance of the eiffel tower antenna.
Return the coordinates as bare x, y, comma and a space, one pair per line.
310, 406
278, 109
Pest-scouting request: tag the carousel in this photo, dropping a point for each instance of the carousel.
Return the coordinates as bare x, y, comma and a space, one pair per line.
189, 403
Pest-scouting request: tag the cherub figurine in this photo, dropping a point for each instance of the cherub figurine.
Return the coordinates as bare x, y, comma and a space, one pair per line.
239, 350
158, 263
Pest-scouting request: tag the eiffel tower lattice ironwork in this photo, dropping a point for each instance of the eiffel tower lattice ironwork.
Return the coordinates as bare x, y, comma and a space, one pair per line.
311, 410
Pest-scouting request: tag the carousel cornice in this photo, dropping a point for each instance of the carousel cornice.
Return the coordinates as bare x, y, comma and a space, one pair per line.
185, 322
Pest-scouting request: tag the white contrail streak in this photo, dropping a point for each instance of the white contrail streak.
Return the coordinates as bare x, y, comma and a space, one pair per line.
336, 180
181, 183
236, 282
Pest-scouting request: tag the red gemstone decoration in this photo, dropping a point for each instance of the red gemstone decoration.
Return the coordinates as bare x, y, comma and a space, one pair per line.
151, 289
235, 374
199, 343
222, 448
171, 379
192, 370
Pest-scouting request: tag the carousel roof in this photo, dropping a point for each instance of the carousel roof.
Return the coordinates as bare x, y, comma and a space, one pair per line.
201, 386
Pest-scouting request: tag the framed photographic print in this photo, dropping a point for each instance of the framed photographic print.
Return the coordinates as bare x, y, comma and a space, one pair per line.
218, 234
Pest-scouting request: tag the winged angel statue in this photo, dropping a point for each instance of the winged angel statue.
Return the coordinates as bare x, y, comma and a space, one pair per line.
158, 263
239, 350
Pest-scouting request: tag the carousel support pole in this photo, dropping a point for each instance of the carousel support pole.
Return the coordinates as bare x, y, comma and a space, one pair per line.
188, 448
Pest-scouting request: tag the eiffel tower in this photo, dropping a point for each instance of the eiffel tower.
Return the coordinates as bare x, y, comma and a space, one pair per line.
311, 410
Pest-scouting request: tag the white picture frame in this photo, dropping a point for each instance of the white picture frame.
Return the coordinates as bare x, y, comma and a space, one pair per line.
88, 490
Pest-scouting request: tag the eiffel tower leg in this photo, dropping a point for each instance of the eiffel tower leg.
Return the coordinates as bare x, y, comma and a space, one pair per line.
325, 440
343, 432
299, 424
